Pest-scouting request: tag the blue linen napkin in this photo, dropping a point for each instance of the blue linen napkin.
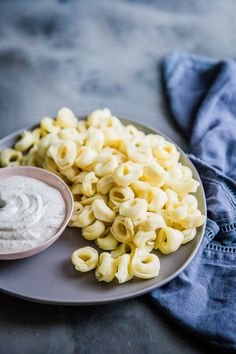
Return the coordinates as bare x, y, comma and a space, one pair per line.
202, 98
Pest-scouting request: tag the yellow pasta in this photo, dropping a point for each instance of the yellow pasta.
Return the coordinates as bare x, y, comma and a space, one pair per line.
85, 259
127, 173
105, 184
166, 154
189, 235
138, 151
95, 139
112, 136
29, 158
45, 143
145, 265
49, 125
132, 194
156, 198
107, 268
169, 240
122, 249
193, 219
77, 209
69, 172
38, 133
177, 212
76, 190
112, 122
82, 127
122, 229
107, 242
152, 222
66, 118
102, 211
96, 117
26, 141
89, 200
184, 187
71, 134
10, 157
93, 231
155, 175
172, 197
85, 157
135, 209
108, 152
131, 132
63, 153
107, 167
154, 140
89, 184
119, 195
123, 273
83, 217
50, 165
145, 240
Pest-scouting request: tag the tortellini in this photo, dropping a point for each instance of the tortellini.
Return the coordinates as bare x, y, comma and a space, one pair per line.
127, 173
119, 195
85, 183
105, 184
123, 229
106, 167
93, 231
138, 151
26, 141
85, 259
96, 117
66, 118
123, 273
145, 240
102, 211
133, 197
10, 157
84, 217
136, 209
145, 265
169, 240
95, 139
107, 242
155, 174
49, 125
156, 198
123, 248
71, 134
86, 156
107, 268
63, 153
152, 222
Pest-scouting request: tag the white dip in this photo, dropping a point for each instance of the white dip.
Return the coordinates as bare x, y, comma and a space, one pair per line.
31, 212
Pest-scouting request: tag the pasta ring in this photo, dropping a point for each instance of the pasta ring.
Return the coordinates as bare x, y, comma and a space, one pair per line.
85, 259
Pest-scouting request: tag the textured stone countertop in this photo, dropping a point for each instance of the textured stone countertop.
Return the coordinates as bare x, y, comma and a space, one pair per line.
89, 54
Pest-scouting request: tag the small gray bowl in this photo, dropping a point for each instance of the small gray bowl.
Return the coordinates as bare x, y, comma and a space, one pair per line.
52, 180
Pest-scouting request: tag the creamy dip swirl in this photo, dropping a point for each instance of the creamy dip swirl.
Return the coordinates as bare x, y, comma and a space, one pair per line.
31, 212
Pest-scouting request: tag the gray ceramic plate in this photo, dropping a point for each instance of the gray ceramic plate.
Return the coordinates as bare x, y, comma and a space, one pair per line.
49, 277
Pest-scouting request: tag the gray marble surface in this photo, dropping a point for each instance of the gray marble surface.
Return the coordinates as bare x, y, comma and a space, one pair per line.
89, 54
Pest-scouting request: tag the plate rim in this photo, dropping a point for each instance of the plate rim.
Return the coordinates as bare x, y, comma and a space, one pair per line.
136, 293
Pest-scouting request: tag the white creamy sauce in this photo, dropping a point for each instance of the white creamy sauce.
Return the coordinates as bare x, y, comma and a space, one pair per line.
31, 212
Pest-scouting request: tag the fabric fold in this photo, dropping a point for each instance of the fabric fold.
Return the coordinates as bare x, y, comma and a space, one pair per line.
202, 99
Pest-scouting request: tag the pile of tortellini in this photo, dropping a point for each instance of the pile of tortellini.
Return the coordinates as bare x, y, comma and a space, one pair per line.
132, 195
